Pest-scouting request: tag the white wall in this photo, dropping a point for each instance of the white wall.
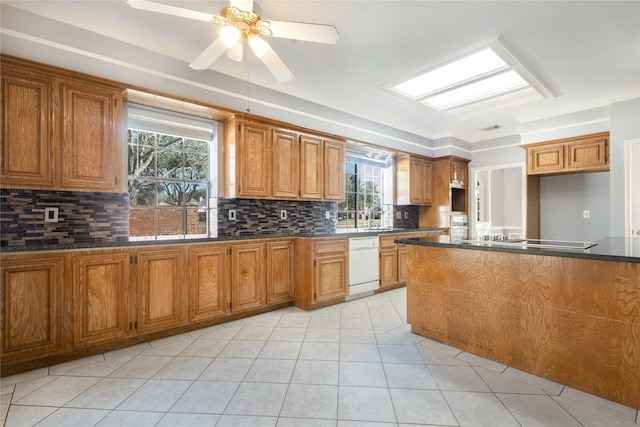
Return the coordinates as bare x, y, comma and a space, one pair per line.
625, 125
563, 200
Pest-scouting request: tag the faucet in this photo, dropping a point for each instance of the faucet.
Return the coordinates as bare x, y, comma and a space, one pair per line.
373, 208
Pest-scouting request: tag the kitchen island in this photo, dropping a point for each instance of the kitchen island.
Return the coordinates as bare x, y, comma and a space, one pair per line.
571, 315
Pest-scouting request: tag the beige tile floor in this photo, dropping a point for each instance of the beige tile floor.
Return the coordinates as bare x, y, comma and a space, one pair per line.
350, 365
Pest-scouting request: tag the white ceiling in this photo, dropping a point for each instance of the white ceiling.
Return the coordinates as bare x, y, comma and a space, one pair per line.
586, 53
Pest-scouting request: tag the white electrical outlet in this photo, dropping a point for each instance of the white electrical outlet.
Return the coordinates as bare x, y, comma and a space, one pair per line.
50, 214
406, 215
399, 215
586, 214
327, 214
232, 214
283, 214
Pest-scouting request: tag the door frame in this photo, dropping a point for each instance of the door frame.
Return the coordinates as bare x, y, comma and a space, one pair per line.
629, 188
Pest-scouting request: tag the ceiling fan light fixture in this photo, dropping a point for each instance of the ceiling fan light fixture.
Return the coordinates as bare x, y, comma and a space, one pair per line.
258, 45
230, 35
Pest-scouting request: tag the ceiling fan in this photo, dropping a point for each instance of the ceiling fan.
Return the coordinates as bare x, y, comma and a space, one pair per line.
240, 21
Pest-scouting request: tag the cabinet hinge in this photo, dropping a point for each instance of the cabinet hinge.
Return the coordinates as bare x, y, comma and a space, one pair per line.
229, 251
134, 259
314, 296
130, 325
135, 325
115, 180
229, 305
299, 193
238, 126
314, 262
239, 191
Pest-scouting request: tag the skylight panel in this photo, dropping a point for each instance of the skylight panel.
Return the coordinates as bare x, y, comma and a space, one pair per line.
454, 73
476, 91
485, 72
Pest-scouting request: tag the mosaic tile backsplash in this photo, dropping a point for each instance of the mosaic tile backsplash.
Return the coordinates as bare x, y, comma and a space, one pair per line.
104, 217
82, 217
262, 217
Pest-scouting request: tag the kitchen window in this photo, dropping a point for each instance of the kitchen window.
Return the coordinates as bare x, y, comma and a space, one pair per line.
365, 205
170, 162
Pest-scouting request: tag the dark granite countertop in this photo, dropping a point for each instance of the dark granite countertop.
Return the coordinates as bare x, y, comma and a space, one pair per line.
132, 243
618, 249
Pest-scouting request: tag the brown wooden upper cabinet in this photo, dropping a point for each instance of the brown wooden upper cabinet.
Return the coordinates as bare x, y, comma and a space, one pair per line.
459, 172
51, 117
588, 153
413, 180
264, 161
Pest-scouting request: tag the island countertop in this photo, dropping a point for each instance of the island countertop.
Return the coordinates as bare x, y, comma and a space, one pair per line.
619, 249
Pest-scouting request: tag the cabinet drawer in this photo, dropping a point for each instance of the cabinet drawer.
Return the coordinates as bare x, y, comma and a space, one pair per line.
388, 241
324, 246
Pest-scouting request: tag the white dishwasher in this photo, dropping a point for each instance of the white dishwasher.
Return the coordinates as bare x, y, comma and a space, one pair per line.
363, 266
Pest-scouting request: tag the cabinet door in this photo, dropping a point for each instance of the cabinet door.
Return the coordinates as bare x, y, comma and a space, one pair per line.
427, 170
589, 154
91, 137
334, 174
280, 272
415, 182
208, 282
330, 276
311, 168
253, 152
27, 130
100, 297
160, 286
247, 276
545, 159
285, 168
388, 267
402, 263
32, 307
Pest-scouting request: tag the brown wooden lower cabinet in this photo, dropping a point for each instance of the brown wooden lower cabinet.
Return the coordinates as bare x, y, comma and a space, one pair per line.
33, 296
393, 259
161, 285
208, 293
247, 276
69, 304
280, 271
321, 272
101, 297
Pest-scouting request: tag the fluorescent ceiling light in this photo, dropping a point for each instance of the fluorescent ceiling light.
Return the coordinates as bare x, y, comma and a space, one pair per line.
465, 69
481, 74
476, 91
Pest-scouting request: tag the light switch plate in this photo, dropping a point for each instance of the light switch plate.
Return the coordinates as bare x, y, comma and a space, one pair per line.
283, 214
586, 214
232, 214
327, 214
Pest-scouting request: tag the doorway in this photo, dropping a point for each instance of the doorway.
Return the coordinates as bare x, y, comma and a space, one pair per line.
498, 201
632, 188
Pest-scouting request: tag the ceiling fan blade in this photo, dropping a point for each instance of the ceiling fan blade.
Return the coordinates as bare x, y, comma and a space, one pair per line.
277, 67
209, 55
243, 5
171, 10
318, 33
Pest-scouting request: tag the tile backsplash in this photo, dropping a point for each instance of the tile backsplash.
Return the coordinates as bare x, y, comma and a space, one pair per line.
104, 217
263, 217
82, 217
